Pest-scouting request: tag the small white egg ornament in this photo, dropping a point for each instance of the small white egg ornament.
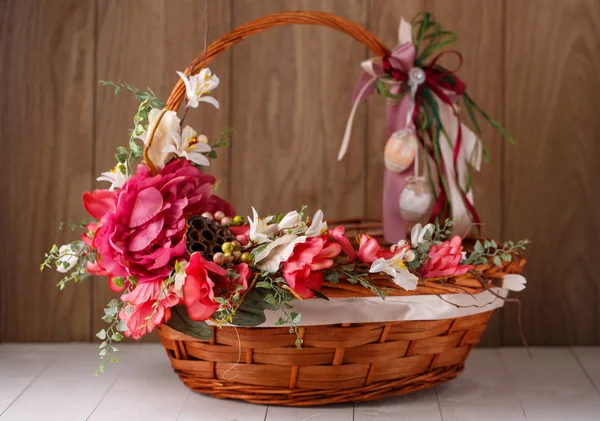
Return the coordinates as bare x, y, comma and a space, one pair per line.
400, 150
416, 200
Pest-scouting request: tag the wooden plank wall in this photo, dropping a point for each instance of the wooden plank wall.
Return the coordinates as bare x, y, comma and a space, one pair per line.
533, 65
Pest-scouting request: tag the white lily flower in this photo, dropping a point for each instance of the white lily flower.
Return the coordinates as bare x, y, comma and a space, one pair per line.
197, 87
397, 270
514, 282
180, 276
67, 258
418, 232
317, 225
277, 252
189, 146
260, 230
291, 221
167, 132
116, 177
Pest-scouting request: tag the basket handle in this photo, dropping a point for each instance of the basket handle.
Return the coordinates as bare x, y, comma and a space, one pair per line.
236, 35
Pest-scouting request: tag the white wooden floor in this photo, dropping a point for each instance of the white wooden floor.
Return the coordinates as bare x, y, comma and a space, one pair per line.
55, 382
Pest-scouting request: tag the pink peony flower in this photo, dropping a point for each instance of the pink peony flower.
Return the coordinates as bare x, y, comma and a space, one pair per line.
142, 231
444, 260
206, 280
369, 250
139, 316
302, 269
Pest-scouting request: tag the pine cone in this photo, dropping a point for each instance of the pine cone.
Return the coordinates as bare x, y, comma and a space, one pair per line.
206, 236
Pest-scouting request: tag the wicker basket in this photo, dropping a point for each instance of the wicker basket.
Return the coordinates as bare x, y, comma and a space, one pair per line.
338, 363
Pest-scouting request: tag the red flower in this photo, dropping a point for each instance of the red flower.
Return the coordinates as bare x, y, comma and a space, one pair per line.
444, 260
302, 270
206, 280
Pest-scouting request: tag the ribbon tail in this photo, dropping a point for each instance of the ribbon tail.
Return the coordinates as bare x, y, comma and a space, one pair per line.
471, 148
456, 169
348, 131
394, 225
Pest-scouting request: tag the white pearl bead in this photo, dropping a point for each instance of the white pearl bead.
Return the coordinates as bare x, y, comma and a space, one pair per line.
400, 150
416, 199
416, 75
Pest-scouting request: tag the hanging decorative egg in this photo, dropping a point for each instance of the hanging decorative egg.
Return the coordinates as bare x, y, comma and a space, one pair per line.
416, 199
400, 150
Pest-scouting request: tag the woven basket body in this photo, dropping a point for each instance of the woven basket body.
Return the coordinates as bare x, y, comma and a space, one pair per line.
338, 362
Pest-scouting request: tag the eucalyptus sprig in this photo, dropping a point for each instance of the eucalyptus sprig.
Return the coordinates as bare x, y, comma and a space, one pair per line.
489, 249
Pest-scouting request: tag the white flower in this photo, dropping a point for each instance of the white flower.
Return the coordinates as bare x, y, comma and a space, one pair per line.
260, 230
418, 233
197, 87
167, 132
396, 269
117, 176
513, 282
67, 258
189, 146
277, 252
291, 221
180, 276
317, 226
410, 256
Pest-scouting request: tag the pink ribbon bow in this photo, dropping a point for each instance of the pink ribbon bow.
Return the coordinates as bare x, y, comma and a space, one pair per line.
403, 59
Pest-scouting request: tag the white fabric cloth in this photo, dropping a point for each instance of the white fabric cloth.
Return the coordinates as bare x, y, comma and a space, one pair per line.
373, 309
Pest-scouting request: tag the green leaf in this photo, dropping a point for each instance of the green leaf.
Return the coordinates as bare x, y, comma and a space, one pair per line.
493, 244
506, 257
319, 294
478, 247
497, 261
263, 284
181, 322
101, 335
295, 317
348, 268
257, 250
487, 244
119, 281
332, 277
252, 310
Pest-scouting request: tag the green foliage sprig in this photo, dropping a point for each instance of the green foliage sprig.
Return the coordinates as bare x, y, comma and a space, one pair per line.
148, 101
78, 272
111, 334
489, 250
279, 297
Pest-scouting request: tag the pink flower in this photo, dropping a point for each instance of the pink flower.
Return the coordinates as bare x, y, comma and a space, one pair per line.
302, 270
444, 260
369, 250
142, 232
139, 315
242, 233
338, 236
206, 280
99, 203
